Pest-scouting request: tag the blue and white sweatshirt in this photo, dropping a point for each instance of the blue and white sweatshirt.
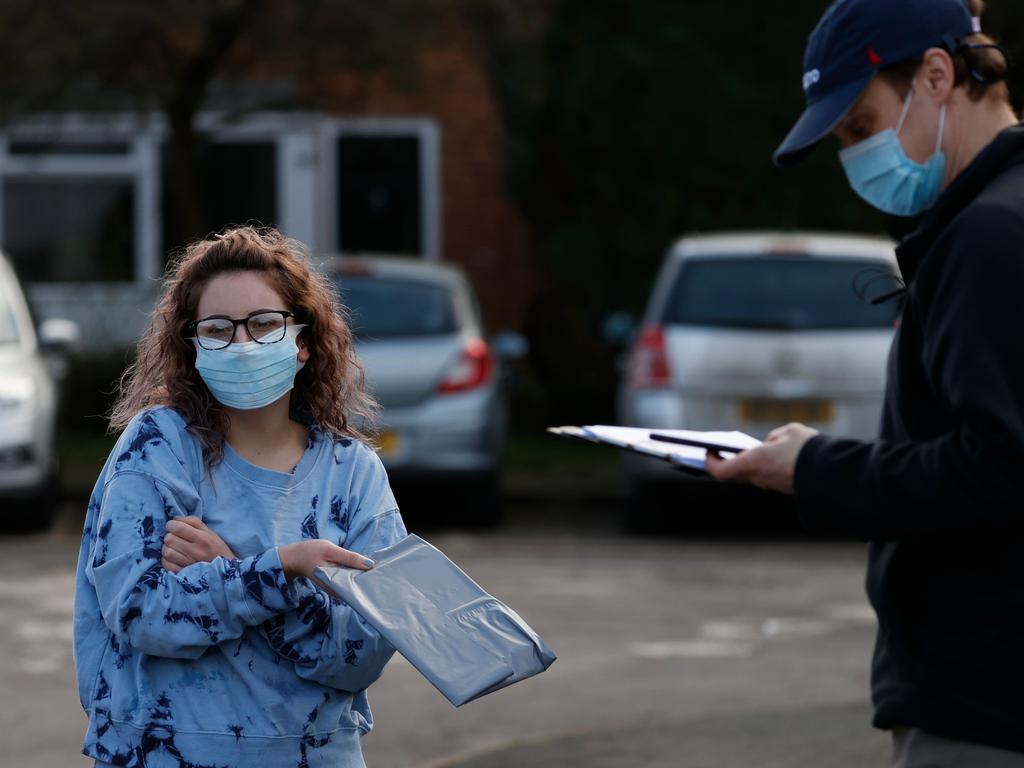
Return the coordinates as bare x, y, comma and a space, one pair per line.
225, 663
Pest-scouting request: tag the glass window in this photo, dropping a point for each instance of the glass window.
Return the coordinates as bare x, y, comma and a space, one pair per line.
383, 308
237, 183
69, 229
794, 293
379, 195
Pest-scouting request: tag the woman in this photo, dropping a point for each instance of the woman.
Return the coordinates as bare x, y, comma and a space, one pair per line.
913, 92
200, 639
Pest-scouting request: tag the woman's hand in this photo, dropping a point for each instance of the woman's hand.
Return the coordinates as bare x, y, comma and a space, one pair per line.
771, 465
187, 540
301, 558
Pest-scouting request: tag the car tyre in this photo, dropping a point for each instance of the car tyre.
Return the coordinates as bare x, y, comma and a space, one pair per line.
478, 504
670, 507
645, 510
35, 513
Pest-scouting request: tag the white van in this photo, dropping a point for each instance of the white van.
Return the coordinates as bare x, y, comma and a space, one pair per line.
752, 331
28, 409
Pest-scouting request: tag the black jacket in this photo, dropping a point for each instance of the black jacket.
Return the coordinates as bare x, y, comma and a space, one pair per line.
940, 494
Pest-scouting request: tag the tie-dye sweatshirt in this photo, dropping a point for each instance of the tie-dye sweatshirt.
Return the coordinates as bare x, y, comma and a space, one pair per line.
225, 663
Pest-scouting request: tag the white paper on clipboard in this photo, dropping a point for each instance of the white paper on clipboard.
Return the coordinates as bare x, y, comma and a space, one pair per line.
639, 440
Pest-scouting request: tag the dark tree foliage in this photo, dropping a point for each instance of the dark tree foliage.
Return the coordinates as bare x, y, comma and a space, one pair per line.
645, 121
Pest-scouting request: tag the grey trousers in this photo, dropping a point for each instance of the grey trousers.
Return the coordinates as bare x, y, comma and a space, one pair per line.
914, 748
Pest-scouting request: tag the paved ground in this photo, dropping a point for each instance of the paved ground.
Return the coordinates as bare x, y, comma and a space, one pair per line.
671, 653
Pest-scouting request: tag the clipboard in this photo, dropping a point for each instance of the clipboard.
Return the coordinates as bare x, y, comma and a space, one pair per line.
685, 450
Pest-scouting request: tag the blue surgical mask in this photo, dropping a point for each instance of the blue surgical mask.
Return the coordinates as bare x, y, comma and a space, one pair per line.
879, 170
249, 375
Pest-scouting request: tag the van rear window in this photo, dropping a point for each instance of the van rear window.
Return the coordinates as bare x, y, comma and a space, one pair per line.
782, 293
382, 308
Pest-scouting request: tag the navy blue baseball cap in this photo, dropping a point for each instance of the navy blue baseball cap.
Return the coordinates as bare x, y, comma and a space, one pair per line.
853, 40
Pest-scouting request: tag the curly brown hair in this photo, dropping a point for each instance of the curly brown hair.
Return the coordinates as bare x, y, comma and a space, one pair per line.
330, 388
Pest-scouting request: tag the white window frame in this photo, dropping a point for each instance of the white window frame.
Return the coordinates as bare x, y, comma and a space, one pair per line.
296, 135
427, 131
140, 166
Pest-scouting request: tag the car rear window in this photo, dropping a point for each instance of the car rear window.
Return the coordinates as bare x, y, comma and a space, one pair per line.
383, 308
782, 293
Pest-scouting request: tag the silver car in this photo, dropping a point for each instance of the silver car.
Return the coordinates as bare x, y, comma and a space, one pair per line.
420, 338
28, 409
751, 331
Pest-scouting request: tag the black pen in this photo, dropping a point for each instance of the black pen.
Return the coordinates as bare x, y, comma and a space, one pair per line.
695, 443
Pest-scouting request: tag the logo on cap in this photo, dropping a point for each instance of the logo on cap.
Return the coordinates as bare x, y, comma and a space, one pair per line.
810, 78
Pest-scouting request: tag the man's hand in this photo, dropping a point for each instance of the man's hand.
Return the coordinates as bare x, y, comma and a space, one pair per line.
187, 540
770, 466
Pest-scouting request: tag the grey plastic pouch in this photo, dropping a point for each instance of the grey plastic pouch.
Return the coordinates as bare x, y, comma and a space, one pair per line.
463, 640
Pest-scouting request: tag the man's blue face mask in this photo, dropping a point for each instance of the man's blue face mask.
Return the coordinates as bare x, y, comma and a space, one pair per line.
880, 172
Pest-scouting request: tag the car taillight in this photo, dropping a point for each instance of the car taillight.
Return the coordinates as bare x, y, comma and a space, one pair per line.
473, 369
649, 367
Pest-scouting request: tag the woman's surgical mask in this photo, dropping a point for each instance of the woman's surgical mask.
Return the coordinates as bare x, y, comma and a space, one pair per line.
249, 375
879, 170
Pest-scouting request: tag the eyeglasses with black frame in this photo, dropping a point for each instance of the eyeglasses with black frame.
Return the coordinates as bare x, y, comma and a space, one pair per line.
218, 331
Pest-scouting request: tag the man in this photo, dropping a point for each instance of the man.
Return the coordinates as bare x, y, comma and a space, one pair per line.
913, 93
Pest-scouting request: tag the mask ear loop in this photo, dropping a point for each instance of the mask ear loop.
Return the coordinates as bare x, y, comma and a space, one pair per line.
942, 120
906, 108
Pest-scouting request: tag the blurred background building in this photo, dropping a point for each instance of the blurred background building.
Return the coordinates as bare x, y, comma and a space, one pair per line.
554, 149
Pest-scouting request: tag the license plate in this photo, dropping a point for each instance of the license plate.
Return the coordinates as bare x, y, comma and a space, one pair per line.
387, 443
785, 411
